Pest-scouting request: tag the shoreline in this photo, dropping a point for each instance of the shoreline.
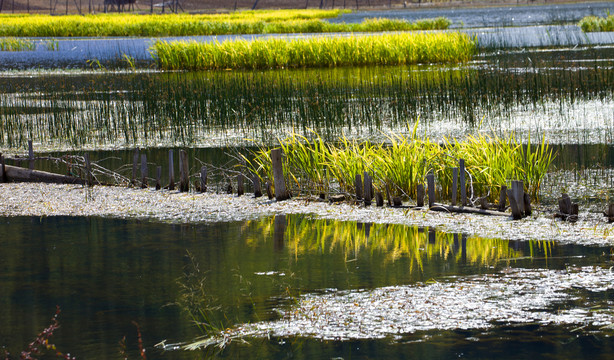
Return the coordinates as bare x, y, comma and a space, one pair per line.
173, 207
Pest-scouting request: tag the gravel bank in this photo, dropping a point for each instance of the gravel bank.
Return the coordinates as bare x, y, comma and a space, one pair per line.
35, 199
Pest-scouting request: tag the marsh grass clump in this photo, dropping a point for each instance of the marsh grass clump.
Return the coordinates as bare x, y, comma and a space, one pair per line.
311, 164
386, 49
248, 22
15, 44
596, 23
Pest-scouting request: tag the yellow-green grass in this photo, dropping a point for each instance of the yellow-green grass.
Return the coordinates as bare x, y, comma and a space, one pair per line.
353, 50
401, 164
14, 44
595, 23
249, 22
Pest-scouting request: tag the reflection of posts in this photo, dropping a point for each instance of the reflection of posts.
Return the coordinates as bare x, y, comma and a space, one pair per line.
279, 232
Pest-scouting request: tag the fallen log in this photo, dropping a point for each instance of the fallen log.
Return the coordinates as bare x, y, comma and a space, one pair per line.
19, 174
467, 210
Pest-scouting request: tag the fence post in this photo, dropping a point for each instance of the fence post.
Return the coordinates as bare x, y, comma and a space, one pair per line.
454, 185
463, 186
171, 170
278, 176
144, 171
367, 189
30, 155
430, 180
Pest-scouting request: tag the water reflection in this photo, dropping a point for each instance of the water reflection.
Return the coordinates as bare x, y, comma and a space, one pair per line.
105, 273
564, 95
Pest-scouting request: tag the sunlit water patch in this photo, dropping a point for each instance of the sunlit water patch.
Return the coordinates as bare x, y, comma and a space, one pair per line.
483, 301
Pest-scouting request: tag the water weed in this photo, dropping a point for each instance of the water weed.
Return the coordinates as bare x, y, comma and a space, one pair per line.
14, 44
354, 50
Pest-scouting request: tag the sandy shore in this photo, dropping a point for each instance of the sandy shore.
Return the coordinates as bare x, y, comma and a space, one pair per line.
35, 199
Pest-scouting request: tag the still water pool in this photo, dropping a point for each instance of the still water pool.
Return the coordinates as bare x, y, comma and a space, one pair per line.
106, 274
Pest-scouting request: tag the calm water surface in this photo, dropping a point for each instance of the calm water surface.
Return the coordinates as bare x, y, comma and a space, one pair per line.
105, 274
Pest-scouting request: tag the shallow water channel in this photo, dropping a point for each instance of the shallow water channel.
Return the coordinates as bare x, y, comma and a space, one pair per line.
106, 274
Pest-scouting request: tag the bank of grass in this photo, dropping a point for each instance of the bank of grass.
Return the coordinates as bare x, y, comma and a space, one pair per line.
313, 165
247, 22
353, 50
15, 44
596, 24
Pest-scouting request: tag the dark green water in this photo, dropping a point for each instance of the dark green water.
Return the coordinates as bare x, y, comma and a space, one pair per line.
105, 274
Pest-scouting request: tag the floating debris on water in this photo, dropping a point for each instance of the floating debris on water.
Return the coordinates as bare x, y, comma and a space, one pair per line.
474, 302
36, 199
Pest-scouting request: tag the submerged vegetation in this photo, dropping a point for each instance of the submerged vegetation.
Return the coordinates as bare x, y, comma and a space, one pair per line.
403, 162
208, 108
15, 44
596, 23
247, 22
387, 49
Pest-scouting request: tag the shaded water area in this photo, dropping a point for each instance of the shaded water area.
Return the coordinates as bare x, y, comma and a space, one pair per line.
106, 273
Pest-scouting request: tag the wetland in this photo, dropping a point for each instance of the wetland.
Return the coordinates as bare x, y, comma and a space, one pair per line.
214, 275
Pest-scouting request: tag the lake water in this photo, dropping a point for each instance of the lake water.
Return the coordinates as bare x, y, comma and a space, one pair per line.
105, 274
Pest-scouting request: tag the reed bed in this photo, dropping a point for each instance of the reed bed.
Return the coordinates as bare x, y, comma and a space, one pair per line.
131, 109
596, 23
15, 44
252, 22
387, 49
402, 163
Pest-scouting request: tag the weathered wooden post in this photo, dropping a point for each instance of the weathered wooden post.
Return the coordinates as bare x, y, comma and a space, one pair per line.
278, 176
502, 197
88, 170
135, 165
2, 169
240, 189
518, 189
358, 187
430, 183
463, 186
609, 213
171, 170
203, 179
368, 187
454, 185
379, 199
516, 214
158, 177
184, 185
528, 209
30, 155
420, 195
388, 195
257, 186
269, 190
144, 171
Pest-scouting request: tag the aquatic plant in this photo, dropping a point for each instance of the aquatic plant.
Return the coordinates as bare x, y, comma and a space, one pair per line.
596, 23
42, 346
133, 108
249, 22
354, 50
403, 163
14, 44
